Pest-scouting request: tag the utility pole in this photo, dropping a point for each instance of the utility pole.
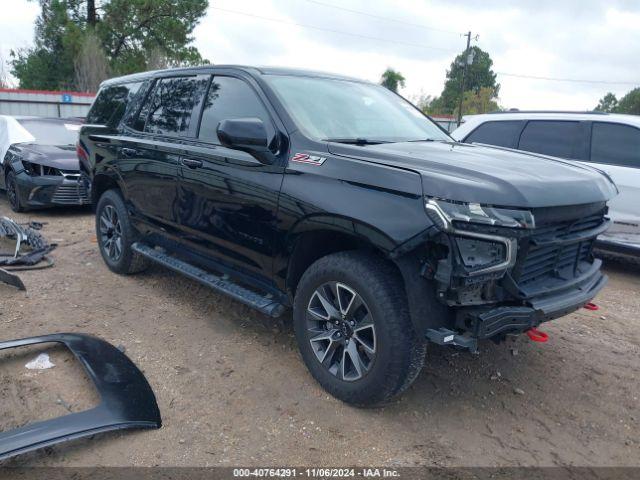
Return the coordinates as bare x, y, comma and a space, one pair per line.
464, 74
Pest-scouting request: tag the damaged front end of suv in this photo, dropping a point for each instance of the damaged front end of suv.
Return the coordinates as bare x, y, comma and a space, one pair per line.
500, 271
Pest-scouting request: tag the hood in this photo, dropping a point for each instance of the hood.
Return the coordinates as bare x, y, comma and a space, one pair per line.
62, 157
489, 175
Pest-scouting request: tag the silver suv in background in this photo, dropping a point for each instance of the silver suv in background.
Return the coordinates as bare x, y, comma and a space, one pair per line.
609, 142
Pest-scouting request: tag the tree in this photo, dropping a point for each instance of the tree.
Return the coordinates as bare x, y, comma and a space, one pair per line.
91, 65
127, 31
479, 75
392, 79
479, 102
130, 29
630, 103
4, 80
608, 103
49, 64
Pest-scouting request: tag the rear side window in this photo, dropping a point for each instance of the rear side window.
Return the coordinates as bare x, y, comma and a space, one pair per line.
556, 138
111, 103
615, 144
170, 106
501, 133
229, 98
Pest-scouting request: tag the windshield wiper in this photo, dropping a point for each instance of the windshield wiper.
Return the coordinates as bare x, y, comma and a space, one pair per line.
356, 141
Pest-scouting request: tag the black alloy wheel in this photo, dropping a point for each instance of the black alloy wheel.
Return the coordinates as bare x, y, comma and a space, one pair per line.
12, 192
111, 233
341, 331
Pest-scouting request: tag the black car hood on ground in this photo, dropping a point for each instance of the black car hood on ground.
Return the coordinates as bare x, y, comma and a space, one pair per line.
489, 175
62, 157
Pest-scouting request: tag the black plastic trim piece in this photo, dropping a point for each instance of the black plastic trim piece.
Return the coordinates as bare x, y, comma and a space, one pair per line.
127, 400
11, 279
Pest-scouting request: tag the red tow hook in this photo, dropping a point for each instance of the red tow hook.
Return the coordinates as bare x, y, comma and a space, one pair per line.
591, 306
537, 336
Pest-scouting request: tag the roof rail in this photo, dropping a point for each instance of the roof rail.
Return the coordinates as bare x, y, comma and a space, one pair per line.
515, 110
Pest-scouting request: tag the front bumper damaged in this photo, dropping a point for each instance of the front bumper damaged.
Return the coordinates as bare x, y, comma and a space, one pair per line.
487, 322
66, 189
127, 400
491, 281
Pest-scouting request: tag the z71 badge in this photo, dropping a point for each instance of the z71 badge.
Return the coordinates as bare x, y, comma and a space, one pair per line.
306, 158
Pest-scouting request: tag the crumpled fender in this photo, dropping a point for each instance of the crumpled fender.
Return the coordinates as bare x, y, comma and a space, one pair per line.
127, 400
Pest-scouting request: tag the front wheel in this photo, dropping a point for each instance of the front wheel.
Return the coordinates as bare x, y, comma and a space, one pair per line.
13, 193
353, 328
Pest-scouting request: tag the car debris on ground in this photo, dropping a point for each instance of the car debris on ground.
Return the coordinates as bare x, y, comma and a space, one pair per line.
22, 247
126, 399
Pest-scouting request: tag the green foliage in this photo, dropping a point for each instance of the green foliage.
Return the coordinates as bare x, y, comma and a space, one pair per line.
482, 101
127, 31
608, 103
630, 103
392, 80
49, 64
479, 102
479, 75
132, 28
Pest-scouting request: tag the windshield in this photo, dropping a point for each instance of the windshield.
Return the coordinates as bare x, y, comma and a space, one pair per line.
52, 132
343, 110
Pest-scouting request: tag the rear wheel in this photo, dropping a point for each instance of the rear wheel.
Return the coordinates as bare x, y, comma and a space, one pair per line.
13, 193
116, 235
353, 328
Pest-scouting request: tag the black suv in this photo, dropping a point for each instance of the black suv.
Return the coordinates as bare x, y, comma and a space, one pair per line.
340, 199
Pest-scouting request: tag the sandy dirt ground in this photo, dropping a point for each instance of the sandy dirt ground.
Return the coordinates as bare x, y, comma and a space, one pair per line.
233, 390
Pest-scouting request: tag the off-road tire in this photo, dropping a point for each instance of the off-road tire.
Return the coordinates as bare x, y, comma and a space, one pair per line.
400, 353
128, 262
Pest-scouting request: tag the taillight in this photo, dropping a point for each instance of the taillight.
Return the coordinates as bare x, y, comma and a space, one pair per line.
81, 152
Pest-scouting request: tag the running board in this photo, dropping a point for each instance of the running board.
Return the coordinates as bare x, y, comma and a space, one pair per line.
263, 303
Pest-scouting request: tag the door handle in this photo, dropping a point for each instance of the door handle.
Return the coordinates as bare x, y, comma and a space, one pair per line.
128, 152
191, 163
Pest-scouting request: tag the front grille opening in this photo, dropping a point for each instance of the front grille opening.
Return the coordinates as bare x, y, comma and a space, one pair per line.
557, 259
71, 194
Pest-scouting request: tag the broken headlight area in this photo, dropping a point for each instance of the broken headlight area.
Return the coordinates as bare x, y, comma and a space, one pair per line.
448, 215
482, 238
37, 170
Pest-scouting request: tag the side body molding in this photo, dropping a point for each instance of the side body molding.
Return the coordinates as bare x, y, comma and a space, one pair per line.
127, 400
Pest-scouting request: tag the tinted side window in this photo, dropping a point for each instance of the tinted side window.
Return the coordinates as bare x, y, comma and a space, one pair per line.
501, 133
556, 138
228, 98
615, 144
111, 103
170, 106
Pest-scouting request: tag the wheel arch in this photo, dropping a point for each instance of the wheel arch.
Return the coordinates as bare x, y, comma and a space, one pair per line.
319, 236
101, 183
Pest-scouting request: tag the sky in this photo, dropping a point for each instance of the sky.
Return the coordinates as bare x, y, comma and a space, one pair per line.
592, 40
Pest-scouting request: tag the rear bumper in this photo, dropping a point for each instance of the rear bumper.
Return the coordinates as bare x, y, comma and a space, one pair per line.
486, 322
51, 190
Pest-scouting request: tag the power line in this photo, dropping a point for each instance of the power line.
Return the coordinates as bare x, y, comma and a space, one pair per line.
380, 17
340, 32
417, 45
574, 80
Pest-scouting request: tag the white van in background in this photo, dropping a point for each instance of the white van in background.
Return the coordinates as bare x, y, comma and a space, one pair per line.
609, 142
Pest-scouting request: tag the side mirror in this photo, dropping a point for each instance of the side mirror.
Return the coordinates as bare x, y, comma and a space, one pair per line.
247, 135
